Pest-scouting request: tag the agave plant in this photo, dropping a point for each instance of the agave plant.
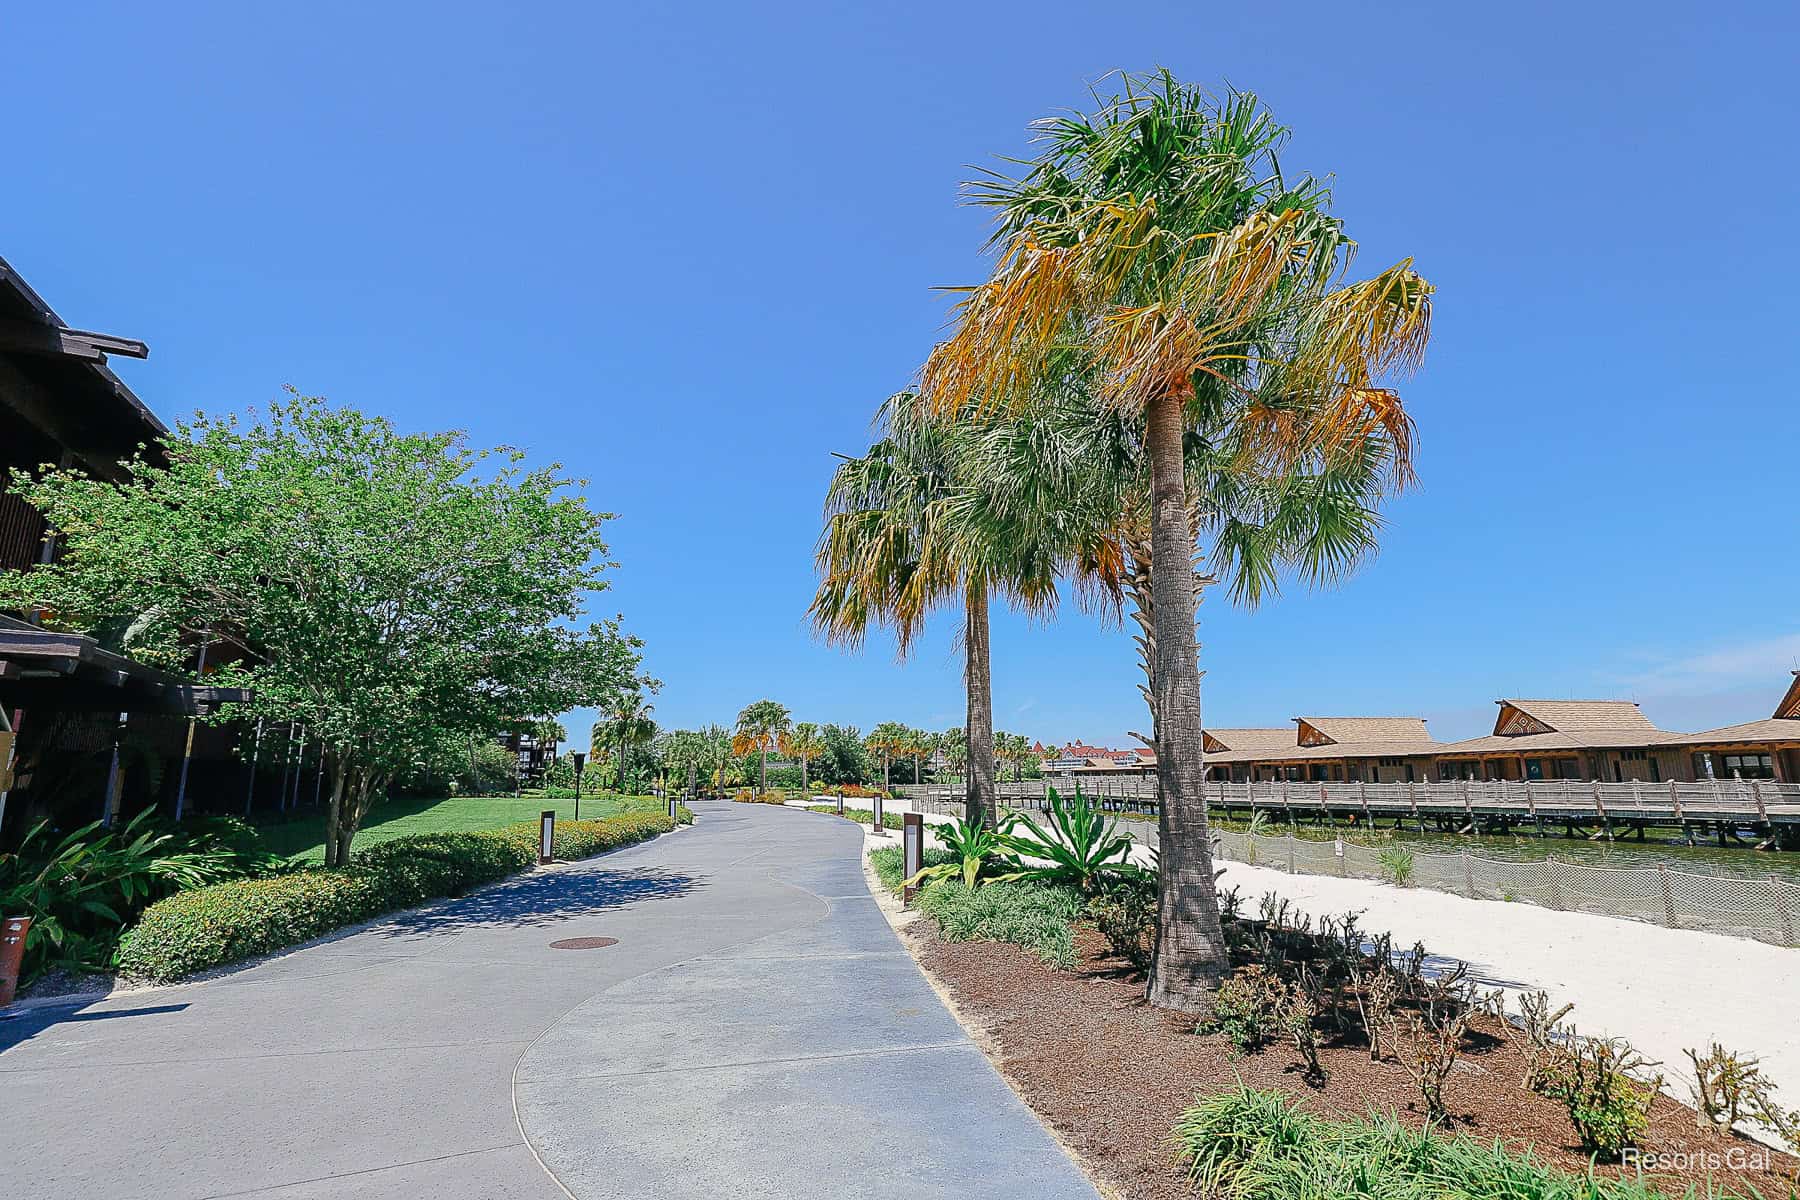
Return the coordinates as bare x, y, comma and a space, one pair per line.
975, 847
1080, 847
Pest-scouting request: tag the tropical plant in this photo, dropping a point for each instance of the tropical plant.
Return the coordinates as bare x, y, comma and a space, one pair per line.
1156, 252
973, 847
1079, 848
760, 727
626, 724
1398, 863
81, 890
804, 743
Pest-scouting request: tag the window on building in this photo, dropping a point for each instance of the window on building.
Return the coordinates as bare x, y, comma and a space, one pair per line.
1748, 766
1567, 768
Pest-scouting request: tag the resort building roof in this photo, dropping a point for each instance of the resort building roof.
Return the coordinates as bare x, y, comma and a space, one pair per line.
1526, 726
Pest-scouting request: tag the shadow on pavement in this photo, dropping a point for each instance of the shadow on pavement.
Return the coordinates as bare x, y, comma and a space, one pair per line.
543, 899
28, 1023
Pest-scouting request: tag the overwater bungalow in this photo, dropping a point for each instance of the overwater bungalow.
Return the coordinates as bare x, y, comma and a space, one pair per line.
1534, 740
1754, 750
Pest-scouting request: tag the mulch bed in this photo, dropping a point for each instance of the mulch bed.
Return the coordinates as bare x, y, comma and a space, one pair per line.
1111, 1074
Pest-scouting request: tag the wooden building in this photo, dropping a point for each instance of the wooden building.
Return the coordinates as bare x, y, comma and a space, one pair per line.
1754, 750
1325, 750
85, 732
1533, 740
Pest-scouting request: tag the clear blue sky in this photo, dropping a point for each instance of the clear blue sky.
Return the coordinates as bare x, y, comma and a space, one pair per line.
685, 250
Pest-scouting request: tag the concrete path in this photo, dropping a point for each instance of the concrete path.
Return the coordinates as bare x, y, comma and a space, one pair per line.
758, 1031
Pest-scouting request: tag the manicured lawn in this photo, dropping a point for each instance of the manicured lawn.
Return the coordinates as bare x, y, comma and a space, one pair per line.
302, 837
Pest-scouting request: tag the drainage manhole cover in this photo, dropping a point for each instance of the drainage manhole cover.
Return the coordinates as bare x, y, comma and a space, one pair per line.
583, 943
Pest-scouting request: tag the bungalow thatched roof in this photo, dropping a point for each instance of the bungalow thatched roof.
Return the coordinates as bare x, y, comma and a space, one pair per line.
1318, 731
1519, 717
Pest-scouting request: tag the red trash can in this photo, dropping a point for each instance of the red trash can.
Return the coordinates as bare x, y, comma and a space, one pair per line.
12, 955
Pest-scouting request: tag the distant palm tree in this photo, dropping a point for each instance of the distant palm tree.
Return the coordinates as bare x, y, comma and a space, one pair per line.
887, 739
760, 727
805, 743
627, 724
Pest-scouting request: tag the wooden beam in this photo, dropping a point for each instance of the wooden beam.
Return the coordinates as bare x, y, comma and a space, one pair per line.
29, 337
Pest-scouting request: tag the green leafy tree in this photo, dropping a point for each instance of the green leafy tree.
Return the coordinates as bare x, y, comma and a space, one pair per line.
760, 728
378, 588
1156, 250
846, 758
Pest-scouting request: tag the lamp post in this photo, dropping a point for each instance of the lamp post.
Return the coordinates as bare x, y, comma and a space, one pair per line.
580, 761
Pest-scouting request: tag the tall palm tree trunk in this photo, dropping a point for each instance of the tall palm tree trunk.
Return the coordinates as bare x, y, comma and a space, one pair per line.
621, 759
1190, 946
979, 800
762, 770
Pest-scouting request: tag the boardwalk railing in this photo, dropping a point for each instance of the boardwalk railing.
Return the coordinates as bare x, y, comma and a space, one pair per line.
1765, 909
1756, 801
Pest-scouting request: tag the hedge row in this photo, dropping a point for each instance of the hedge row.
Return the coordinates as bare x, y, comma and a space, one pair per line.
212, 926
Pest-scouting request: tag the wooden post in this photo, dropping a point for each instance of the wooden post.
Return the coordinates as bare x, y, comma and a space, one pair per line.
1762, 809
1668, 895
1600, 807
1468, 875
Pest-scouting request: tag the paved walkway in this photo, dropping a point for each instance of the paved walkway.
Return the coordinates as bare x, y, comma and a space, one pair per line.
758, 1031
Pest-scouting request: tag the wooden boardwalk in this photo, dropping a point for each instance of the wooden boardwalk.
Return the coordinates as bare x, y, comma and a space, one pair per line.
1724, 809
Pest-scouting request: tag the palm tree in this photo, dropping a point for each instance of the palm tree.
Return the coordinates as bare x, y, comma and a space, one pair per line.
761, 726
918, 744
805, 743
921, 520
1155, 248
887, 739
955, 748
627, 724
717, 739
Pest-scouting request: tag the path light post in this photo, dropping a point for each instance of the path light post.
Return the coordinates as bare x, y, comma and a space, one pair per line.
912, 852
580, 760
875, 821
546, 836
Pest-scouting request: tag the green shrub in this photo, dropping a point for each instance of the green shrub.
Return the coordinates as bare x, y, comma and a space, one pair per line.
82, 889
1598, 1081
1247, 1009
1258, 1145
865, 816
212, 926
1039, 917
1125, 913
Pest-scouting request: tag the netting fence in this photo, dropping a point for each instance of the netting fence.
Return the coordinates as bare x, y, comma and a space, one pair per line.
1765, 909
